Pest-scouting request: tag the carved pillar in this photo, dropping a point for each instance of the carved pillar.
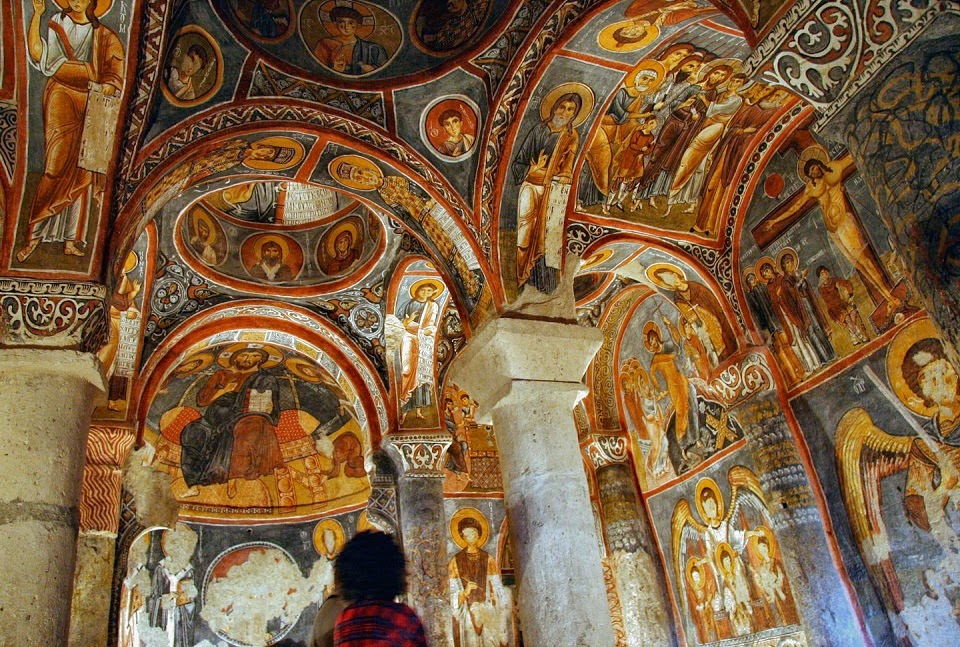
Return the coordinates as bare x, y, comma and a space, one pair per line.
527, 376
46, 397
883, 78
100, 492
423, 528
632, 558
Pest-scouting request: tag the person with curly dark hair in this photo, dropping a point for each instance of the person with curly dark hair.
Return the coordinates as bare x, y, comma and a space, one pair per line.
370, 571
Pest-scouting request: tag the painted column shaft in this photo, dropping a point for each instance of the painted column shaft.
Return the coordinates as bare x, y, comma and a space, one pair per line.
46, 397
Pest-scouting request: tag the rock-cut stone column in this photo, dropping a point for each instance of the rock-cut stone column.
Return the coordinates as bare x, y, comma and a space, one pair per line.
527, 375
419, 457
46, 398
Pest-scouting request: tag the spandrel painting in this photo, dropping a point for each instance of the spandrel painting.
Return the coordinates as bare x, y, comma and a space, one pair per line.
411, 332
818, 274
77, 67
253, 426
884, 436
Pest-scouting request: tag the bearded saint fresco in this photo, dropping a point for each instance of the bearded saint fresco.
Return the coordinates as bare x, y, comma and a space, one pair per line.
265, 428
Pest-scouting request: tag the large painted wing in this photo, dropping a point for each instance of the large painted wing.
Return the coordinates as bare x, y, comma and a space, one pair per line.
748, 504
687, 536
865, 455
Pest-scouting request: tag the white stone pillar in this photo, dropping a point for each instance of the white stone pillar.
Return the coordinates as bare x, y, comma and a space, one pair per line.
527, 375
46, 397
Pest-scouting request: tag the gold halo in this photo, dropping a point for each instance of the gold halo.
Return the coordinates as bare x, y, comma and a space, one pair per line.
574, 87
472, 513
274, 238
364, 523
339, 538
131, 262
205, 359
811, 152
722, 549
347, 224
750, 271
651, 326
596, 258
438, 286
692, 565
274, 356
296, 366
278, 141
608, 41
655, 66
359, 162
99, 10
735, 65
199, 214
771, 541
656, 268
709, 484
766, 260
897, 354
787, 251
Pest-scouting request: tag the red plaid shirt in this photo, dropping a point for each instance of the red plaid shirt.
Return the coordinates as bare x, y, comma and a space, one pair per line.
378, 623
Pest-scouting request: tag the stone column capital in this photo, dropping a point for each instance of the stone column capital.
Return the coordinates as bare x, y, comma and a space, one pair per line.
53, 314
607, 449
82, 366
418, 455
536, 352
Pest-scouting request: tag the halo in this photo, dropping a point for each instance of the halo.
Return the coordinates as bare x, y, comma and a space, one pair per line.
607, 39
472, 513
649, 327
656, 268
750, 272
596, 258
897, 354
766, 260
735, 65
274, 356
655, 66
771, 541
271, 238
367, 24
574, 87
787, 251
99, 10
692, 566
131, 262
364, 523
353, 160
182, 369
314, 374
709, 484
199, 214
723, 548
339, 538
347, 224
271, 165
811, 152
438, 286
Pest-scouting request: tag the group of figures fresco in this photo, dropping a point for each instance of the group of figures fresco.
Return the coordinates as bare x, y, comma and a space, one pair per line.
678, 417
673, 138
472, 463
253, 425
275, 256
353, 38
727, 564
812, 303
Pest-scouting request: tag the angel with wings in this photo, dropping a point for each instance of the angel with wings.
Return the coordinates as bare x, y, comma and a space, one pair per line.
719, 561
925, 383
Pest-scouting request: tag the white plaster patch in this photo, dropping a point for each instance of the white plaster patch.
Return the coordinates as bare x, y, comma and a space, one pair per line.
266, 590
